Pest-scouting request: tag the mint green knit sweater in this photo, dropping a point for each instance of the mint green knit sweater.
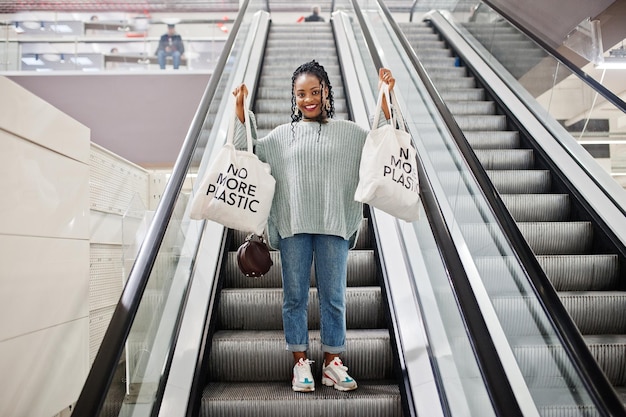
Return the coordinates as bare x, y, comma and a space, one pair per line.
316, 176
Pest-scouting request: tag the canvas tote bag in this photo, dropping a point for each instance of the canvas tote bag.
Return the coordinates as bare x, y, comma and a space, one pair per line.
388, 172
238, 189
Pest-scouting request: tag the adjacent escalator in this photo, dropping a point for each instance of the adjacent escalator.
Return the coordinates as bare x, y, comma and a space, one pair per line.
583, 262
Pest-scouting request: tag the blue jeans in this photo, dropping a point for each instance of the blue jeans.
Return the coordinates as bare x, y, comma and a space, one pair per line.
331, 266
175, 58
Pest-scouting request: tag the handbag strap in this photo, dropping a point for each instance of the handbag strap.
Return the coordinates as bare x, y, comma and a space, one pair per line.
231, 129
397, 121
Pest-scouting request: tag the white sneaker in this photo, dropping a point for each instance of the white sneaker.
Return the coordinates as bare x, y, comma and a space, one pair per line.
302, 377
336, 375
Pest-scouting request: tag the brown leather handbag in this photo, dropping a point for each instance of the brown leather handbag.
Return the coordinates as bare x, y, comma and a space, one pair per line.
253, 256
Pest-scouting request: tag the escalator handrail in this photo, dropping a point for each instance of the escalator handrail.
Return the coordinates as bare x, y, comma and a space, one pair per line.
602, 393
586, 78
497, 384
101, 374
412, 11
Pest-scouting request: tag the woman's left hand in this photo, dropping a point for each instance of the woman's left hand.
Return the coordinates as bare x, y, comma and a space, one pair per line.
385, 76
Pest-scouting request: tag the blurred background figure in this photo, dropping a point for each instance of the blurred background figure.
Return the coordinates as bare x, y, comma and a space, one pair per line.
315, 15
170, 44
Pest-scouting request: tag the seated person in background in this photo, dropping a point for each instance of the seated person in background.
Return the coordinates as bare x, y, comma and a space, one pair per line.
315, 15
170, 44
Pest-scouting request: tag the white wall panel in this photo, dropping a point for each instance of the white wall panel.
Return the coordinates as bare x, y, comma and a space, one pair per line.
44, 261
43, 282
43, 193
52, 129
47, 370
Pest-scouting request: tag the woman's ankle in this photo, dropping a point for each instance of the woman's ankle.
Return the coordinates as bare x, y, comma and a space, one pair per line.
328, 357
299, 355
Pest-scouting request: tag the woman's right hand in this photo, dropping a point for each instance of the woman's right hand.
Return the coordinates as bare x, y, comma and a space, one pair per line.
240, 93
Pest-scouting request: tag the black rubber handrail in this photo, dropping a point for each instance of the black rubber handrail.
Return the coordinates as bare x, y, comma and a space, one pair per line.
101, 374
601, 391
586, 78
498, 387
413, 6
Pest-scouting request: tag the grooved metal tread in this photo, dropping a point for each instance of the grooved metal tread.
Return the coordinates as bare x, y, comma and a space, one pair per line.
277, 399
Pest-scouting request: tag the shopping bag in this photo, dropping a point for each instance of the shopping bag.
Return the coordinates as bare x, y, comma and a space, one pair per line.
388, 177
238, 189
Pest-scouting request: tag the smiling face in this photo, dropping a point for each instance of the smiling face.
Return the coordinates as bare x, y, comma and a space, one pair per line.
309, 92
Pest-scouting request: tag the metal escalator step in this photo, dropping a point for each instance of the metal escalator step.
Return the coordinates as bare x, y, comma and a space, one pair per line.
271, 120
516, 314
543, 237
361, 272
276, 399
424, 49
521, 182
472, 107
542, 363
505, 139
436, 61
610, 353
321, 34
251, 355
596, 312
506, 159
530, 181
538, 207
271, 71
261, 309
282, 105
425, 41
558, 238
458, 94
444, 84
485, 122
545, 365
566, 272
577, 273
290, 61
491, 159
289, 48
557, 402
495, 272
448, 72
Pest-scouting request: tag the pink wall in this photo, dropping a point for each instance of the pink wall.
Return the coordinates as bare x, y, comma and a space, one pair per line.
141, 117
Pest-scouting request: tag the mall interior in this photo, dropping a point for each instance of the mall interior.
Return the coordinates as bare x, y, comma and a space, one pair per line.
506, 297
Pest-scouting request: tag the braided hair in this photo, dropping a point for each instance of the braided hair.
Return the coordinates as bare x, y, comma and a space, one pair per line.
328, 103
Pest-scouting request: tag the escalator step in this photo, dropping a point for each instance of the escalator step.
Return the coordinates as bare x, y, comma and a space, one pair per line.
261, 309
276, 399
260, 355
578, 273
